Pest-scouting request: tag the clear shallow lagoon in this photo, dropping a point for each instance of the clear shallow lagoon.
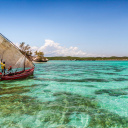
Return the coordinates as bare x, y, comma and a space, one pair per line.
68, 94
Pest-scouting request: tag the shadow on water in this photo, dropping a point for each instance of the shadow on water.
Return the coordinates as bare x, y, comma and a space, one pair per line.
120, 79
13, 90
67, 110
91, 86
18, 90
82, 80
73, 80
112, 92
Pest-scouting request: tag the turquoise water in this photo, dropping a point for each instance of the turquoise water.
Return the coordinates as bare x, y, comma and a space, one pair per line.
68, 94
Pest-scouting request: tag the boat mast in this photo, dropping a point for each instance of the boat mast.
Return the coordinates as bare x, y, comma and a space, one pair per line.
24, 61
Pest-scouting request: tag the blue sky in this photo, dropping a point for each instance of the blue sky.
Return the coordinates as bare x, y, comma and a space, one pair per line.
94, 27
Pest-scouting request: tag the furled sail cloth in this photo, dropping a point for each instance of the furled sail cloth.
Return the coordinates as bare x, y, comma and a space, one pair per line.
12, 55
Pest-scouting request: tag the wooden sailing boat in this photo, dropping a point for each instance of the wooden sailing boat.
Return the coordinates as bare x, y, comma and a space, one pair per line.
14, 58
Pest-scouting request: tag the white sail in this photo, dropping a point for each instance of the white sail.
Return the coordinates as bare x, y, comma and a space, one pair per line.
12, 55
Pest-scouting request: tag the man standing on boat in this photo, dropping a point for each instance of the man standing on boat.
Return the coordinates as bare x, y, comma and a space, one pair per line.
3, 67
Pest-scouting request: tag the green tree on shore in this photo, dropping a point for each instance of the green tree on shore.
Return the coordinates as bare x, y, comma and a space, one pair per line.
39, 56
25, 49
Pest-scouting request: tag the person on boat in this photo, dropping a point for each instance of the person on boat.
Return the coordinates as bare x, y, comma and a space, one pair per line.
3, 67
9, 71
10, 68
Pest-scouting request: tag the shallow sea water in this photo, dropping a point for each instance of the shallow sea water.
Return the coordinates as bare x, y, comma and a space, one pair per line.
68, 94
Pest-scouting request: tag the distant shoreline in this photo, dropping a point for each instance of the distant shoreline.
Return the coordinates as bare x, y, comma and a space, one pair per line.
89, 58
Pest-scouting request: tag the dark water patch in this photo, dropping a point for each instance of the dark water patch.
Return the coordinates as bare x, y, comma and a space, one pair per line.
111, 92
76, 100
126, 88
46, 90
41, 74
4, 85
91, 86
96, 72
90, 80
42, 85
120, 79
104, 68
58, 70
123, 75
111, 73
78, 74
13, 90
71, 80
18, 104
18, 90
62, 93
116, 68
119, 69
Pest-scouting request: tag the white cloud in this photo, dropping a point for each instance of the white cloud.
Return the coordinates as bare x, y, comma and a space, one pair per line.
34, 48
50, 48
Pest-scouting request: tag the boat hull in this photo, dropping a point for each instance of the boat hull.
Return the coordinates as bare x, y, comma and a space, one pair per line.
18, 75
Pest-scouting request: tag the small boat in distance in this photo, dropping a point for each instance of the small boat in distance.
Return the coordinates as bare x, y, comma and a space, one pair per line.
12, 56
